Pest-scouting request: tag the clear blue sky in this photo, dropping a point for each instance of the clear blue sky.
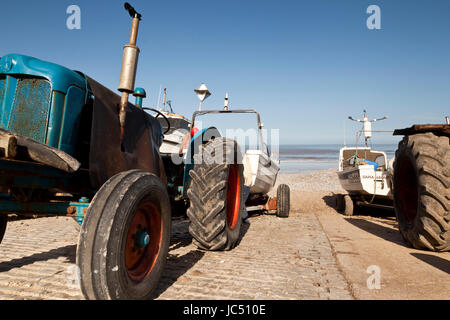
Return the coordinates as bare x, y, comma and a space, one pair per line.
305, 65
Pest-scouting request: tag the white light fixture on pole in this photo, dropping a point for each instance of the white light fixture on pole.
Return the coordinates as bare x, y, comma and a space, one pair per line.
225, 104
202, 93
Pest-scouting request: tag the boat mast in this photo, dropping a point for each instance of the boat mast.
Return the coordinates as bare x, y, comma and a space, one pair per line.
367, 125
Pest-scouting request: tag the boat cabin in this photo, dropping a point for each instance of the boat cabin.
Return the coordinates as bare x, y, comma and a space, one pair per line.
353, 157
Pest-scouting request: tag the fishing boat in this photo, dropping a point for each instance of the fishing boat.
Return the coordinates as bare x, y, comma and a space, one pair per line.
260, 171
260, 168
364, 173
175, 127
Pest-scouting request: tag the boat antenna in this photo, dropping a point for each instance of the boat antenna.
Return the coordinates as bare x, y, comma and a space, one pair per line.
367, 125
225, 105
345, 138
164, 99
159, 97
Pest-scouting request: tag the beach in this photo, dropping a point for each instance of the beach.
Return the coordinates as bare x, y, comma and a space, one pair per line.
315, 253
367, 241
308, 190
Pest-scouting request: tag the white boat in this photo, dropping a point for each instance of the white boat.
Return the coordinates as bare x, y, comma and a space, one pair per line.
364, 173
260, 168
175, 138
260, 171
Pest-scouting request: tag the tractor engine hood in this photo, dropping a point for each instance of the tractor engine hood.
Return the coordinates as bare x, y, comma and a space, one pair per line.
140, 146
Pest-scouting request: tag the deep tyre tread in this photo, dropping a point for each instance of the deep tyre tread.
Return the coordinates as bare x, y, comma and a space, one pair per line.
101, 245
208, 195
428, 227
3, 223
283, 201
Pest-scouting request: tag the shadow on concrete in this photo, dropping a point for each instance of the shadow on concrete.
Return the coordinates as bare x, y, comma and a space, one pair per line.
437, 262
178, 264
69, 252
244, 229
380, 231
332, 202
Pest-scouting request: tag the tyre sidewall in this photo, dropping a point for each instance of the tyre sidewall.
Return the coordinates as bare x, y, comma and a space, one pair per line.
283, 201
3, 223
116, 283
404, 153
349, 205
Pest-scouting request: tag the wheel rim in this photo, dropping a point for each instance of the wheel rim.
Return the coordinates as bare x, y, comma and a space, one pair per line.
407, 190
233, 197
143, 241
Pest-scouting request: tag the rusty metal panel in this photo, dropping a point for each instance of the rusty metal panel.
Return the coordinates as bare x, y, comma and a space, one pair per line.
142, 138
438, 129
29, 114
271, 204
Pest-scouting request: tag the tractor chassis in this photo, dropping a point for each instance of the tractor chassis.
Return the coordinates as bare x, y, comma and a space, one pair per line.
22, 185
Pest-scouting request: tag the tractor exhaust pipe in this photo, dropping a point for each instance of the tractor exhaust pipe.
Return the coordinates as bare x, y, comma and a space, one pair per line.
129, 67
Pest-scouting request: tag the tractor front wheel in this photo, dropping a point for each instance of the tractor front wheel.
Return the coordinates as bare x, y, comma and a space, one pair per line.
124, 238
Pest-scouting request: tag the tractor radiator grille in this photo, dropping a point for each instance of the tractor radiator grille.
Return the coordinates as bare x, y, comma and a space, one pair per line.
29, 112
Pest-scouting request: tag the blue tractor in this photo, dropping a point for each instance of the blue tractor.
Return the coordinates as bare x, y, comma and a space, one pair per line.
71, 147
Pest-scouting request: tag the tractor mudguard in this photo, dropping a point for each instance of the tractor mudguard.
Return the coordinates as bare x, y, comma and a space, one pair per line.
140, 147
200, 138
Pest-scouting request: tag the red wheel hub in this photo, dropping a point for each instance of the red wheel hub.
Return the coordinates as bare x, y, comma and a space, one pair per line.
233, 196
143, 241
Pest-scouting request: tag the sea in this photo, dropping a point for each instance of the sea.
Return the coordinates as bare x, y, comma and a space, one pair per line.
301, 158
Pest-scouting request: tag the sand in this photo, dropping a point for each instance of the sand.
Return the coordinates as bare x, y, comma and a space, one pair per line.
310, 191
323, 180
366, 240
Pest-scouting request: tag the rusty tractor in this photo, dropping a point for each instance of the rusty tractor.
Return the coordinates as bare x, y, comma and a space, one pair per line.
71, 147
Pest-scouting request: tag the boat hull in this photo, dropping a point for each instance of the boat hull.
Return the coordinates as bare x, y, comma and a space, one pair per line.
260, 172
364, 179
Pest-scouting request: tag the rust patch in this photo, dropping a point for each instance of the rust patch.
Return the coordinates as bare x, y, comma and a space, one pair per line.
29, 114
271, 204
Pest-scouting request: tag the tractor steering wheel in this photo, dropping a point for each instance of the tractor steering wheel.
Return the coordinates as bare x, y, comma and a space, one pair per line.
160, 114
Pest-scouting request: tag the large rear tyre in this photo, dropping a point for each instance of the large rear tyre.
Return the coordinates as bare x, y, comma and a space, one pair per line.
124, 238
3, 223
283, 201
421, 191
216, 195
